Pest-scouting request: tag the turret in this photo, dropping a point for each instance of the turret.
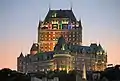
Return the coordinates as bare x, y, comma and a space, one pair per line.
20, 61
39, 25
34, 49
80, 25
21, 56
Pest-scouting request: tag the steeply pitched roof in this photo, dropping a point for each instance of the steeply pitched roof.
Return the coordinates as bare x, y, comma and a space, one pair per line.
60, 14
93, 48
21, 55
81, 49
61, 45
35, 47
40, 56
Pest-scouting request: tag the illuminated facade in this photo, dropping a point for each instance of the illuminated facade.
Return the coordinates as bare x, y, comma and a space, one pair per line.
57, 23
64, 57
60, 47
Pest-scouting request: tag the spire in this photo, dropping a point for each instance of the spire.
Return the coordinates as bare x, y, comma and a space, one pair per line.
49, 6
21, 55
100, 47
34, 47
71, 5
80, 25
39, 24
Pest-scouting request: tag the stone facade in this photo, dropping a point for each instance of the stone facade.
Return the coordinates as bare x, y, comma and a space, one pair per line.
58, 23
60, 47
65, 57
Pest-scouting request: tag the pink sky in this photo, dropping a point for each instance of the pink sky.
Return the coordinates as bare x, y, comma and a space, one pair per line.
14, 48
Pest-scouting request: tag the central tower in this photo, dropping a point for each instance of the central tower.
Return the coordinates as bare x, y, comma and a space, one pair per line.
59, 23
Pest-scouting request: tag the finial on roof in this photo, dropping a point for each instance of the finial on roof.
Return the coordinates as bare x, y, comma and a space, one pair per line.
71, 5
21, 54
39, 24
80, 23
34, 47
49, 6
100, 46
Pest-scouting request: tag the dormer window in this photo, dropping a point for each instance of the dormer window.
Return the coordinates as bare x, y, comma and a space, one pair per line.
54, 14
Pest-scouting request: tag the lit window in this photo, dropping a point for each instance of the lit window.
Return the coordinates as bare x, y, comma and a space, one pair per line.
41, 36
65, 35
73, 25
54, 39
53, 35
53, 32
73, 32
101, 52
77, 25
45, 35
73, 35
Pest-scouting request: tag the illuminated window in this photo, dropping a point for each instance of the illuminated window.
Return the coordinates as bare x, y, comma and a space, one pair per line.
54, 14
55, 26
73, 35
101, 53
65, 35
53, 35
46, 25
42, 38
45, 38
77, 25
45, 35
54, 39
73, 32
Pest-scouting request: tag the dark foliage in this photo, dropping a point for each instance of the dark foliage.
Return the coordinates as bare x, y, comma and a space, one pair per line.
112, 73
9, 75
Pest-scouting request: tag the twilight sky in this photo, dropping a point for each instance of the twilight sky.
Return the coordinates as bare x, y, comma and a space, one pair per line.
19, 21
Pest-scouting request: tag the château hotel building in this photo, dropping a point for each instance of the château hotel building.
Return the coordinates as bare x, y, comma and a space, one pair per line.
59, 46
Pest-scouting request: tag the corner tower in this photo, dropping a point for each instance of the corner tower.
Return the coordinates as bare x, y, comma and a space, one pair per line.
57, 23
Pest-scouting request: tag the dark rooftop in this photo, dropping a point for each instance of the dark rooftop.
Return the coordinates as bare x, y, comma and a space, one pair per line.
60, 14
35, 47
